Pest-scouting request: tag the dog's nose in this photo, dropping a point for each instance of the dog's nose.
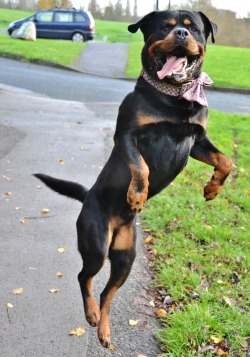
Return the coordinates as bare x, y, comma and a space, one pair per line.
181, 33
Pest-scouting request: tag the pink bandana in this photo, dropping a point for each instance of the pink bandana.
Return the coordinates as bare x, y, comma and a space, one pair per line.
191, 91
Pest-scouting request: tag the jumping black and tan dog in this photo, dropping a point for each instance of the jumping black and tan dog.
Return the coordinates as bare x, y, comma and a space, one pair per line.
160, 124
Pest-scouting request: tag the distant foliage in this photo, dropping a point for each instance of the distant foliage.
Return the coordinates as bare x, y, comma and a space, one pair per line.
48, 4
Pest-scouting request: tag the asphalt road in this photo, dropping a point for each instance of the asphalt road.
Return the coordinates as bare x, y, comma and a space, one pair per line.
67, 85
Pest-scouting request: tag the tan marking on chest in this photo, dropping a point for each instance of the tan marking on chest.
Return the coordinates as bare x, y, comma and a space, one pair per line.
143, 119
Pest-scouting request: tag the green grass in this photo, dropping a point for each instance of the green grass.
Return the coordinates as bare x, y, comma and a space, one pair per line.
8, 15
57, 51
115, 31
202, 249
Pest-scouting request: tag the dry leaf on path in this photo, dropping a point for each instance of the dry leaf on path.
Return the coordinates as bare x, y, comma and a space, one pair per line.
23, 221
53, 291
140, 355
61, 161
133, 322
9, 306
59, 274
8, 193
45, 210
111, 347
17, 291
61, 250
78, 331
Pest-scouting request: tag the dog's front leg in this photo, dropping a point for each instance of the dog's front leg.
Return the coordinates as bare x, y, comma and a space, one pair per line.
138, 188
206, 152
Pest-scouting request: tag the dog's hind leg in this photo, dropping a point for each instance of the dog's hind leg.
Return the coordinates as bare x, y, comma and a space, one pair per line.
121, 255
93, 244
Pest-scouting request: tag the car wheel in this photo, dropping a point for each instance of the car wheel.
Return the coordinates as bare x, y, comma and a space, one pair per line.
78, 37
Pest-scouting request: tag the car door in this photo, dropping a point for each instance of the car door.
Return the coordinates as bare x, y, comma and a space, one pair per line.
63, 24
43, 22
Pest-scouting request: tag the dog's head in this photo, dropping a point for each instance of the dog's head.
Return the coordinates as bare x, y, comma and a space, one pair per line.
175, 43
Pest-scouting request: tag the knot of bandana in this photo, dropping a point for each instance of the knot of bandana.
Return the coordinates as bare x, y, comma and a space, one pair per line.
191, 91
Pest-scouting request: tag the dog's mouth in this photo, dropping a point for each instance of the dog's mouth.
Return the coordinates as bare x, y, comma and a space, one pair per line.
176, 64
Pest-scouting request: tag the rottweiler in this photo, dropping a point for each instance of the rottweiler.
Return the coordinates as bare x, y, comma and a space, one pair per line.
160, 124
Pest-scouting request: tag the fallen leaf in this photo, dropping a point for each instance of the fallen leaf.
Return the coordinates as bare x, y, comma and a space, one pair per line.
220, 352
39, 187
17, 291
161, 312
219, 264
59, 274
111, 347
8, 193
222, 282
45, 210
229, 301
53, 291
61, 161
17, 208
9, 306
148, 239
32, 268
147, 230
61, 250
23, 221
215, 339
78, 331
133, 322
152, 303
140, 355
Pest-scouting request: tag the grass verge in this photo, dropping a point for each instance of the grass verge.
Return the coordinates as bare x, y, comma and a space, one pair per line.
57, 51
201, 252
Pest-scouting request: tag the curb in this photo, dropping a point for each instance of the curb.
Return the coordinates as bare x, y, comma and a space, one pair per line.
72, 69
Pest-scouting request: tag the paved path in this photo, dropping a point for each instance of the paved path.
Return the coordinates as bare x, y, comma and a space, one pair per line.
37, 131
103, 59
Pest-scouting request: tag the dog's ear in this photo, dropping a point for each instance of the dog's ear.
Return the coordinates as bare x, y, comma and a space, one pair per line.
210, 26
142, 24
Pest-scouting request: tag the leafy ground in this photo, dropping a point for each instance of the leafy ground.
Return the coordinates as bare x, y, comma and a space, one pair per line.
201, 252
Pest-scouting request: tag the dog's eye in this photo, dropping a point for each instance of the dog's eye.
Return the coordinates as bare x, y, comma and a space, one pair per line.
193, 29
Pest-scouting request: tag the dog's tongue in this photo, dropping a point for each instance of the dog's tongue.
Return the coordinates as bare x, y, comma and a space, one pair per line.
173, 65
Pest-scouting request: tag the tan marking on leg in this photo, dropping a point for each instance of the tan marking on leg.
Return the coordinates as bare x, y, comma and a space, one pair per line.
223, 166
138, 189
124, 239
92, 311
104, 325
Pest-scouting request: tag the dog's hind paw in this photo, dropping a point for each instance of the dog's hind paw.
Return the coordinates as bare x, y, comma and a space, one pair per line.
104, 333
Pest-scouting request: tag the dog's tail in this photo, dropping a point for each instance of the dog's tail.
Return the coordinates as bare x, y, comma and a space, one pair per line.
66, 188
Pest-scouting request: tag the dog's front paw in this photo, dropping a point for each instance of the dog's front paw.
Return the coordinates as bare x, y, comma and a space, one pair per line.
136, 200
212, 189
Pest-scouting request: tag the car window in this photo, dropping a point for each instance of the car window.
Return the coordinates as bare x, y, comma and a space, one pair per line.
80, 18
63, 17
45, 16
